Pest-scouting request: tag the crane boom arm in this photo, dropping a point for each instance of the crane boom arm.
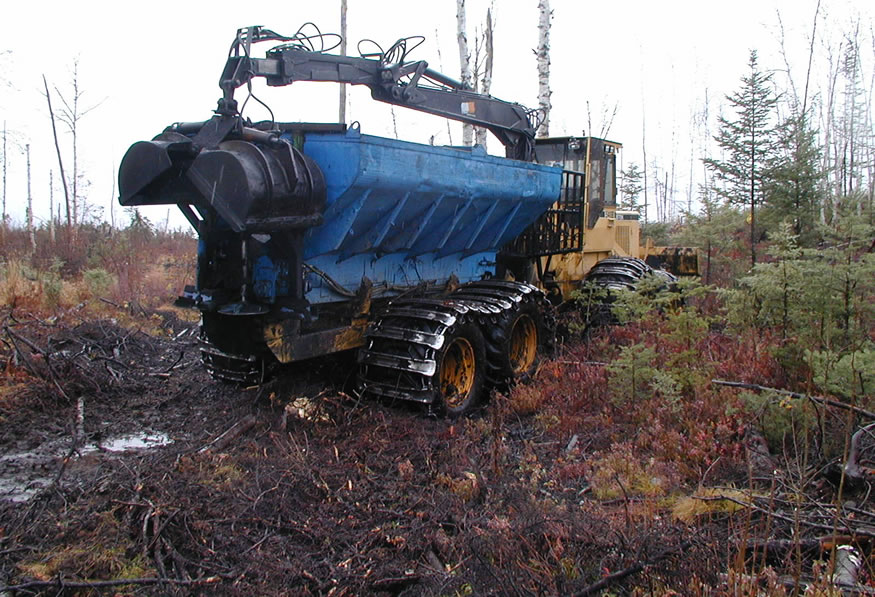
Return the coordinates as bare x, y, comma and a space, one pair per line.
409, 84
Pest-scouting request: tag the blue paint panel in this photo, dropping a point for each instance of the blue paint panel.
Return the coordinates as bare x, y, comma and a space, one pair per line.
394, 271
401, 213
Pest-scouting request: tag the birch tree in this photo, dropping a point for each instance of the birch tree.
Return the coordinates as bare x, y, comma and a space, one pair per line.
51, 207
342, 110
71, 113
29, 213
484, 74
543, 57
855, 126
441, 63
464, 63
4, 174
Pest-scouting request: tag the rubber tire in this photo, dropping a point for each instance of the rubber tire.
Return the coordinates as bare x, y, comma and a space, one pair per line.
466, 331
500, 341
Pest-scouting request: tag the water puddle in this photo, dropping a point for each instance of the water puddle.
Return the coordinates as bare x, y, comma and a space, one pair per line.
125, 443
24, 474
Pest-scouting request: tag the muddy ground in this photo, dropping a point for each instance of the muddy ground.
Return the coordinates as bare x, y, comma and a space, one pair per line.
126, 470
311, 493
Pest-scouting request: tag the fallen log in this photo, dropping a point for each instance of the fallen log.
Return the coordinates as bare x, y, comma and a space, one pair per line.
232, 433
819, 399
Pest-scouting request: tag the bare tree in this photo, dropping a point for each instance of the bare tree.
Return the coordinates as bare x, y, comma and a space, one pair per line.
4, 175
607, 120
846, 122
464, 63
441, 65
71, 114
29, 215
342, 111
476, 69
855, 118
112, 200
4, 82
870, 145
14, 141
51, 207
484, 78
644, 155
827, 125
543, 56
60, 159
810, 59
799, 105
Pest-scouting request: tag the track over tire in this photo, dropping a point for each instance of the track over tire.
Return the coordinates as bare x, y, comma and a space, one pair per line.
244, 370
236, 360
517, 337
610, 275
426, 350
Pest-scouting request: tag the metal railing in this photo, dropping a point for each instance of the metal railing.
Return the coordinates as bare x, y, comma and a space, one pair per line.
560, 229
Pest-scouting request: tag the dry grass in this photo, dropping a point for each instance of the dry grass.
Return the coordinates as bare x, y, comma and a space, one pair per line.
621, 473
709, 501
99, 554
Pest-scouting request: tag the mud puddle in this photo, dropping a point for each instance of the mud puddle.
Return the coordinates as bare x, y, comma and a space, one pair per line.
25, 473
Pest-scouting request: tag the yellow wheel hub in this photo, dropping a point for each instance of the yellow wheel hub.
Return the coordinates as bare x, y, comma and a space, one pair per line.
523, 344
458, 369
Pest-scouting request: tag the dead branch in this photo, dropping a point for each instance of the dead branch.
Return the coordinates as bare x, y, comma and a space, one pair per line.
853, 468
109, 302
825, 543
52, 375
225, 439
633, 569
793, 584
61, 583
175, 363
394, 584
819, 399
861, 532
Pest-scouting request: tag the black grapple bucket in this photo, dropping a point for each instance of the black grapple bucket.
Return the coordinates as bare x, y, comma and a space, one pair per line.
253, 186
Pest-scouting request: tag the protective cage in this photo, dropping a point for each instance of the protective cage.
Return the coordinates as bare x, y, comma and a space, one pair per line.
560, 229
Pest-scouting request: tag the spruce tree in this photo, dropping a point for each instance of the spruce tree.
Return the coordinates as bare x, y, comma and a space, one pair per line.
631, 185
747, 141
718, 230
794, 180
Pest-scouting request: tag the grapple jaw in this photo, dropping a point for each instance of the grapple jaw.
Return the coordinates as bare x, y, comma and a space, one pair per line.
254, 181
152, 172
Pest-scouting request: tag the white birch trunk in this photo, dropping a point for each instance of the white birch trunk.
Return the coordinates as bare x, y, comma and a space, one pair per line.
543, 57
4, 176
30, 231
464, 64
79, 432
644, 152
486, 80
74, 122
441, 63
342, 111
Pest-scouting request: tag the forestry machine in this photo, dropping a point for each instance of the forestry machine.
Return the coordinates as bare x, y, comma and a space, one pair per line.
438, 265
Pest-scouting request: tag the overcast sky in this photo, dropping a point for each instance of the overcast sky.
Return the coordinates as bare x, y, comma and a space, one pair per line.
145, 65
